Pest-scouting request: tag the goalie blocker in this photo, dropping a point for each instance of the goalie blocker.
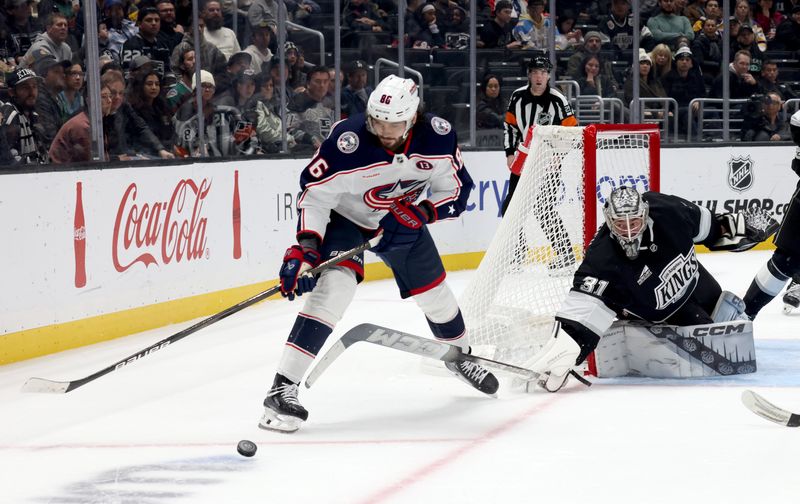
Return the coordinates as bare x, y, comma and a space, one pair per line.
642, 266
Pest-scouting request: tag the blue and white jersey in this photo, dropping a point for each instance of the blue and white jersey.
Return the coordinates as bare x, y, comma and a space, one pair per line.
353, 175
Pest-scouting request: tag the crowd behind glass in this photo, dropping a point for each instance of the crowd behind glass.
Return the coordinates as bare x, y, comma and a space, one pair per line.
150, 107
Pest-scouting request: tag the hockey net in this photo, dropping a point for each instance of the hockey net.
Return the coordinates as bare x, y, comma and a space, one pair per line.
511, 302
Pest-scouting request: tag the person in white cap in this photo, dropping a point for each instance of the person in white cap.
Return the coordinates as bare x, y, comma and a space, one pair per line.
392, 170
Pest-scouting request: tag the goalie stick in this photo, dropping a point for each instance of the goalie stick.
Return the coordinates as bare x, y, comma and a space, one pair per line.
62, 387
410, 343
765, 409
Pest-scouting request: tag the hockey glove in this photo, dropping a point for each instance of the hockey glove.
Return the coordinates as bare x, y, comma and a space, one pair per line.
296, 262
401, 227
744, 230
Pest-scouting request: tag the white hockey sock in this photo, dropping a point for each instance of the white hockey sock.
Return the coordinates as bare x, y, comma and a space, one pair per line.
294, 362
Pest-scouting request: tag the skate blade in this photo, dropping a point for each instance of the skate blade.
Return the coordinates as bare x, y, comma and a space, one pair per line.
473, 387
279, 423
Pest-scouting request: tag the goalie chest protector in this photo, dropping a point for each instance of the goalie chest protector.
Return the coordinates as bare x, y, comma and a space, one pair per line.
664, 275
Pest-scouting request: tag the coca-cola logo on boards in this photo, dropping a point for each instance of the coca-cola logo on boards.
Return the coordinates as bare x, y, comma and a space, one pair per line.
172, 230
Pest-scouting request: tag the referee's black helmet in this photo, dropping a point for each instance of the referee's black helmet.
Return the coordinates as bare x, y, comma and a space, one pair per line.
540, 62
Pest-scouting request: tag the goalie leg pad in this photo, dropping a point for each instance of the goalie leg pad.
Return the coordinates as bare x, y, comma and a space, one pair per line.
665, 351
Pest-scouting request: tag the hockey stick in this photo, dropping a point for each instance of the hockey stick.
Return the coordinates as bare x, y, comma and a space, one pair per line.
766, 409
410, 343
62, 387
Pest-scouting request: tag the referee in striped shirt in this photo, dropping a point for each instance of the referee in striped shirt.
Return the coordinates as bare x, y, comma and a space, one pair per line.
538, 104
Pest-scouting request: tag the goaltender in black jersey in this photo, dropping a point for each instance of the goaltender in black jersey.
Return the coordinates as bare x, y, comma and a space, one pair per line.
641, 265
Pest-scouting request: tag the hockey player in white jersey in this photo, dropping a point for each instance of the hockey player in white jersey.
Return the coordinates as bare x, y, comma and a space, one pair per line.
369, 176
641, 266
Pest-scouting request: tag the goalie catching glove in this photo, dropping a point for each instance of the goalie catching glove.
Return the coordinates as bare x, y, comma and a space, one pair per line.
296, 262
403, 225
743, 230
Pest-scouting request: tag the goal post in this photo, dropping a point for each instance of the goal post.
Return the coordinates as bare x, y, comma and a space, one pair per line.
510, 304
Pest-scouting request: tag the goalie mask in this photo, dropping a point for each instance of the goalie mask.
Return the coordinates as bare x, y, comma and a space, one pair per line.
626, 215
394, 100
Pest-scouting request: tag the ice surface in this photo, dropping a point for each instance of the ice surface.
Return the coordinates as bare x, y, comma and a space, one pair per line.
383, 428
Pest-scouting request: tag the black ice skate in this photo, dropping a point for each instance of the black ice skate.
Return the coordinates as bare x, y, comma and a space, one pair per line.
791, 299
282, 411
475, 375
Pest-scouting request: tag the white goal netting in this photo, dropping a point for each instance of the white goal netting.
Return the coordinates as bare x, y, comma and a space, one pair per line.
511, 302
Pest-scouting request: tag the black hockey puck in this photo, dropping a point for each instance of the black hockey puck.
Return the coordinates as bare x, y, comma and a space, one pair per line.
246, 448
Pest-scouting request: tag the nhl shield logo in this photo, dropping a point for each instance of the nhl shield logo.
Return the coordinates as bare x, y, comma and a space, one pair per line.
740, 173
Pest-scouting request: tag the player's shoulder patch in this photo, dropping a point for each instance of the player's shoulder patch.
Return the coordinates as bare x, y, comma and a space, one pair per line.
347, 142
440, 126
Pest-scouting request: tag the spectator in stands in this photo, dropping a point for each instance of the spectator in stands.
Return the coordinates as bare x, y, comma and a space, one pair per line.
144, 96
661, 56
224, 131
297, 67
458, 22
119, 27
707, 50
211, 59
714, 12
567, 36
432, 34
667, 26
147, 41
743, 16
444, 10
268, 124
20, 29
221, 37
768, 82
70, 100
364, 15
768, 18
236, 64
356, 93
412, 22
591, 82
490, 111
182, 90
649, 85
769, 123
51, 73
742, 82
52, 42
788, 7
745, 41
241, 94
618, 27
531, 31
266, 11
259, 48
300, 11
309, 120
73, 142
684, 83
695, 10
20, 120
788, 34
497, 32
275, 72
124, 124
592, 43
171, 31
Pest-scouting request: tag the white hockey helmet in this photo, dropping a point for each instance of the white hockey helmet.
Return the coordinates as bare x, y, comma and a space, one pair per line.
394, 100
626, 215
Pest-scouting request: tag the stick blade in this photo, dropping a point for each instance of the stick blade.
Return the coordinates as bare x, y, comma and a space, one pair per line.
765, 409
325, 361
42, 385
